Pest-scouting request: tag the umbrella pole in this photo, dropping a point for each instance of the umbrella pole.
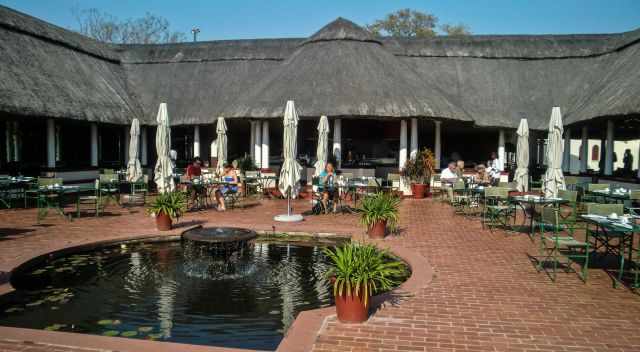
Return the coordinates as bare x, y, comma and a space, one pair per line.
289, 202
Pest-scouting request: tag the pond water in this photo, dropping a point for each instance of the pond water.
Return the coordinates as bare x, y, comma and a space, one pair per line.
155, 291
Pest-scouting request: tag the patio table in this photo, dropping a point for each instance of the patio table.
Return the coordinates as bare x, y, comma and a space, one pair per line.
608, 229
616, 195
14, 188
528, 204
51, 197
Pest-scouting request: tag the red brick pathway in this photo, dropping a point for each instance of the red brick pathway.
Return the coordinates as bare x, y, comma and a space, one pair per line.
485, 296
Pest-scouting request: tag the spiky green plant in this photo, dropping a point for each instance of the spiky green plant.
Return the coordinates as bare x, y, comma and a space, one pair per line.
173, 204
363, 270
380, 207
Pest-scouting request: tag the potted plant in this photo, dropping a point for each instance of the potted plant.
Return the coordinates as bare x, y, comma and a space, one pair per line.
419, 171
167, 206
379, 211
358, 271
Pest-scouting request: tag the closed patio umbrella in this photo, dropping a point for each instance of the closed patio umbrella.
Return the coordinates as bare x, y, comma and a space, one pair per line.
522, 157
323, 144
553, 177
289, 183
221, 144
163, 172
134, 170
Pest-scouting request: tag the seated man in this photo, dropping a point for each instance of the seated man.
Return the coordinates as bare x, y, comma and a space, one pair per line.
194, 169
448, 177
482, 176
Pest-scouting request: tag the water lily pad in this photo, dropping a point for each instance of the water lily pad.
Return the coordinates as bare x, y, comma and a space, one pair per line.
33, 304
129, 333
13, 309
55, 327
105, 322
38, 272
145, 328
154, 336
111, 333
55, 308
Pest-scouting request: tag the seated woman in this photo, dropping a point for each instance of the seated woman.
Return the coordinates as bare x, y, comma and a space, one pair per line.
229, 176
482, 176
327, 187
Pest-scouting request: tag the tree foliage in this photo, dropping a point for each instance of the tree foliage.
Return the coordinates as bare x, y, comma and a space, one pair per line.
412, 23
150, 29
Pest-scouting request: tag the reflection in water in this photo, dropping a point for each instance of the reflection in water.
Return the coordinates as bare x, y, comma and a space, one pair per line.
152, 292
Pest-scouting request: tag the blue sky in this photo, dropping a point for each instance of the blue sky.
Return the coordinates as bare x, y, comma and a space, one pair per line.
239, 19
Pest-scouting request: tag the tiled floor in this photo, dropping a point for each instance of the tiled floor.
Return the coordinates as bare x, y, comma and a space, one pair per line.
485, 295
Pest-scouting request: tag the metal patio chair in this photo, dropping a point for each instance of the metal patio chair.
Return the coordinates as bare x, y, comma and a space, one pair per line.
558, 247
497, 209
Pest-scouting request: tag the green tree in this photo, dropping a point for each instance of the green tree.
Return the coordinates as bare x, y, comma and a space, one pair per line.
414, 24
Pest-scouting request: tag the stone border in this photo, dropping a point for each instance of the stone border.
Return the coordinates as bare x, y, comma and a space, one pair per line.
300, 336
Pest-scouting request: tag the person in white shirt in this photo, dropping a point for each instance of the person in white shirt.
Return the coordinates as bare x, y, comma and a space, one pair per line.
495, 167
448, 177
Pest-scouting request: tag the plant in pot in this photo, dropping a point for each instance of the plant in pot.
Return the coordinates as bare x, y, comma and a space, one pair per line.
168, 206
246, 163
379, 211
419, 171
357, 272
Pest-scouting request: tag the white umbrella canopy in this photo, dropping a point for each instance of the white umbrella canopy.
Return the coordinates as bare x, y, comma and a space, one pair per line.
323, 145
221, 144
522, 157
289, 183
163, 173
554, 178
134, 169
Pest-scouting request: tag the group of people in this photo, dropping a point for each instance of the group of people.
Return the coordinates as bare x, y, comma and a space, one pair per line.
484, 175
229, 176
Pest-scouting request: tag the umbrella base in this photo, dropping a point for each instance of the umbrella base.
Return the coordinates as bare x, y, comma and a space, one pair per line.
288, 218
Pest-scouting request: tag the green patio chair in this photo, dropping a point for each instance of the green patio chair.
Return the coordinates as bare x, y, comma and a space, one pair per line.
535, 186
571, 183
436, 186
5, 193
393, 180
460, 198
604, 209
91, 201
559, 247
634, 202
109, 189
140, 189
568, 212
497, 209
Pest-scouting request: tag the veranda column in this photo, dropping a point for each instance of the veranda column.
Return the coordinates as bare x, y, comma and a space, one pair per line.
608, 161
337, 141
265, 144
252, 127
566, 157
94, 144
8, 141
196, 141
257, 145
143, 146
414, 138
51, 143
402, 157
584, 150
501, 155
15, 141
437, 149
127, 137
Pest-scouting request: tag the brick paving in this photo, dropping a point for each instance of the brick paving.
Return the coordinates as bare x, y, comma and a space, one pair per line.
485, 294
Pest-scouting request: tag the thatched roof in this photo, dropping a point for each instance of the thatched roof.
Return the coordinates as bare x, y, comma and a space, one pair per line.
48, 71
339, 71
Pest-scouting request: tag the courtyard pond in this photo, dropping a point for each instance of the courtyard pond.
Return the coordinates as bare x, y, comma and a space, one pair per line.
156, 291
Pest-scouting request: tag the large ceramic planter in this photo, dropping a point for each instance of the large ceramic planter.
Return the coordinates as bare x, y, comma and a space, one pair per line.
351, 308
378, 230
419, 190
163, 222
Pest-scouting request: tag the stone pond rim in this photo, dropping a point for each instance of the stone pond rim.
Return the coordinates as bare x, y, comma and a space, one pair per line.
219, 234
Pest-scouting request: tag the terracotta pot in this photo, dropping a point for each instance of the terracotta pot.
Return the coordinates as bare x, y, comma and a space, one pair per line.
419, 190
351, 308
378, 230
163, 222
